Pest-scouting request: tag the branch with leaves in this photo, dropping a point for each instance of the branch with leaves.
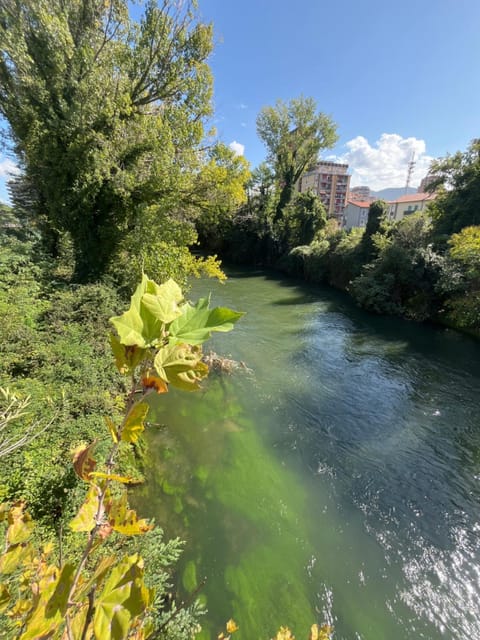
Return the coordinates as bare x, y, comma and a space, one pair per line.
157, 344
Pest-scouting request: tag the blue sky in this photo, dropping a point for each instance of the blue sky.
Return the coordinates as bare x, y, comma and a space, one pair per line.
396, 76
406, 68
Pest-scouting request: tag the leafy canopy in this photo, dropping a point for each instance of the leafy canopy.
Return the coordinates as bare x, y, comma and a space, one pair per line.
294, 134
106, 116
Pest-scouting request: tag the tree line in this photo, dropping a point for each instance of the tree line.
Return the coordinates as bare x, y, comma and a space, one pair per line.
423, 267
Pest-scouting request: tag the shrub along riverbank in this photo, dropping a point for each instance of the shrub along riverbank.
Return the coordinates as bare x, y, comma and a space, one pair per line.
425, 267
56, 362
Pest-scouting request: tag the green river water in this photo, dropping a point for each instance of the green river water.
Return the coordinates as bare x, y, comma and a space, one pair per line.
337, 482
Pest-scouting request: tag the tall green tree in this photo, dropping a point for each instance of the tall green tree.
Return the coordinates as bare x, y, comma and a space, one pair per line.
457, 204
377, 216
294, 134
106, 115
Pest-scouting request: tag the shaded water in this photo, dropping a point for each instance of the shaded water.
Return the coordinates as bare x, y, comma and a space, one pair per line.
339, 482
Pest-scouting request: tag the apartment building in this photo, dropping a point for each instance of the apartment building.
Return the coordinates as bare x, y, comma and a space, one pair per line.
406, 205
355, 214
331, 182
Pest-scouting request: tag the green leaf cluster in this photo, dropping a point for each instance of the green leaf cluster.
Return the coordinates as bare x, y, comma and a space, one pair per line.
95, 595
162, 330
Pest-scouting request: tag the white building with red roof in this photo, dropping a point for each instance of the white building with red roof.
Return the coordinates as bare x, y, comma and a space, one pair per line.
355, 214
406, 205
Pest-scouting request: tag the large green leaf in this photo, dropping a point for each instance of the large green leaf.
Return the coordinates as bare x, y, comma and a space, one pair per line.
129, 325
163, 300
196, 324
152, 306
124, 597
181, 366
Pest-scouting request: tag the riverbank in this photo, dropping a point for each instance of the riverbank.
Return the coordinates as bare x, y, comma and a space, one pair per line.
340, 476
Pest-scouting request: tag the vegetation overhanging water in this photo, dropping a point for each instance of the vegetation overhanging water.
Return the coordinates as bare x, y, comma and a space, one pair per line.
337, 482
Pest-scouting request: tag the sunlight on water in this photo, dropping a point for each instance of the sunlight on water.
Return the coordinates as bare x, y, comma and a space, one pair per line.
338, 483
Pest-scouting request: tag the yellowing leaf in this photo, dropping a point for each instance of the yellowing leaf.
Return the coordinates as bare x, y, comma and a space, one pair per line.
85, 520
232, 626
20, 608
162, 301
97, 577
15, 556
4, 509
57, 603
4, 597
77, 624
284, 633
154, 382
181, 366
125, 520
115, 478
325, 632
313, 632
112, 429
129, 325
39, 624
127, 358
48, 548
123, 598
21, 525
133, 425
84, 462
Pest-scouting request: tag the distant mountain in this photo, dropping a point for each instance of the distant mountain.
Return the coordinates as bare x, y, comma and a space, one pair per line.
394, 193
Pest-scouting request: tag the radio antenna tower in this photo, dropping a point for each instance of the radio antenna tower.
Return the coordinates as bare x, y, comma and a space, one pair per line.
411, 167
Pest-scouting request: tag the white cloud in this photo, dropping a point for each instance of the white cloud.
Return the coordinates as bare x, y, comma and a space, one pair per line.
385, 164
8, 168
242, 106
237, 147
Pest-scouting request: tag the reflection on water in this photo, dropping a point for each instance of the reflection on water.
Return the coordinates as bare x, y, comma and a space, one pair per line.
339, 482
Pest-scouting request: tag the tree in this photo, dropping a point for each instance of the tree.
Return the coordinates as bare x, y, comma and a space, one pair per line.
105, 115
461, 281
294, 134
377, 215
304, 218
457, 203
219, 191
402, 278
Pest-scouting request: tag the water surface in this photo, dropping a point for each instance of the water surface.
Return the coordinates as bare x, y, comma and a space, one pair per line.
338, 482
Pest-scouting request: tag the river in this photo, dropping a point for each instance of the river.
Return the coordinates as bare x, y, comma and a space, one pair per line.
337, 481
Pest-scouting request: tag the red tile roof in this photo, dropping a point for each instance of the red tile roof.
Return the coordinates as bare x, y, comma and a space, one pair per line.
360, 203
415, 197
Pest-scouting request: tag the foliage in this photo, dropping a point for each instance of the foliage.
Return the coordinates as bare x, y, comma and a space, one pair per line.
377, 217
461, 279
308, 261
294, 134
158, 343
225, 177
304, 217
103, 166
456, 205
402, 278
